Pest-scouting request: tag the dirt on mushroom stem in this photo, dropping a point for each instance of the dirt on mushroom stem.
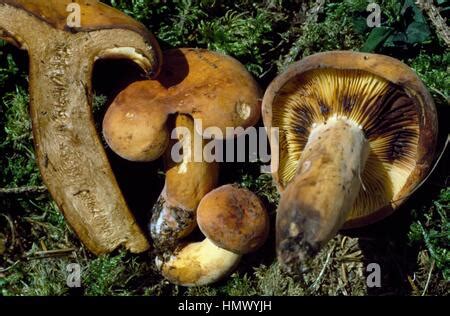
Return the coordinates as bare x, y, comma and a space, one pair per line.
186, 183
201, 89
234, 223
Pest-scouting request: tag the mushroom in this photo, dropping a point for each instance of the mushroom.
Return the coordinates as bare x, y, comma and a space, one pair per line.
210, 87
357, 134
213, 89
69, 152
234, 222
234, 219
186, 183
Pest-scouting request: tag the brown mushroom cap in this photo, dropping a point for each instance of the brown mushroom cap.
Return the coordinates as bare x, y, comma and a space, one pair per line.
133, 130
209, 86
233, 219
380, 94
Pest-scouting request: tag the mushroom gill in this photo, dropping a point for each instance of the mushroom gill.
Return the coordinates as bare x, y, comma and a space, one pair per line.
386, 113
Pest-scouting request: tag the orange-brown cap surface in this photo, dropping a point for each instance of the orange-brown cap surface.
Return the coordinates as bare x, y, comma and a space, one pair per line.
208, 86
234, 219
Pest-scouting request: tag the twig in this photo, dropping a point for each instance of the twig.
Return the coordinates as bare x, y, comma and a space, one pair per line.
441, 94
10, 267
434, 15
23, 190
428, 279
13, 235
327, 261
413, 286
353, 257
51, 253
341, 287
32, 221
344, 274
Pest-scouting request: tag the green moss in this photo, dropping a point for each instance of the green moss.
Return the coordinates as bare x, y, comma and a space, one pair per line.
243, 35
261, 185
271, 282
432, 230
142, 10
10, 68
17, 120
333, 29
239, 285
434, 72
265, 281
18, 161
44, 277
102, 274
99, 103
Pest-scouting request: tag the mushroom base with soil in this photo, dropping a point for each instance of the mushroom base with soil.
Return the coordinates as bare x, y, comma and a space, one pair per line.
198, 264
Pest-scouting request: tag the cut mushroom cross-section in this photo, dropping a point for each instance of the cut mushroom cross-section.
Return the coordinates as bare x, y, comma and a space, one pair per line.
356, 135
70, 155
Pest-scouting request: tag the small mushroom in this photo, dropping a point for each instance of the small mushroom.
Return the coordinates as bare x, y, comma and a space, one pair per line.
234, 219
69, 152
234, 222
211, 87
357, 134
186, 183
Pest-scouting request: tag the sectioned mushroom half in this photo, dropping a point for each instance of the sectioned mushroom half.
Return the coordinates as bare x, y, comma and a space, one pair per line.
357, 134
234, 222
211, 88
69, 152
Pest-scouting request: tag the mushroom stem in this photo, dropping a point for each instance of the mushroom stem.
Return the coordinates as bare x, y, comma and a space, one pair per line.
198, 264
187, 182
316, 203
